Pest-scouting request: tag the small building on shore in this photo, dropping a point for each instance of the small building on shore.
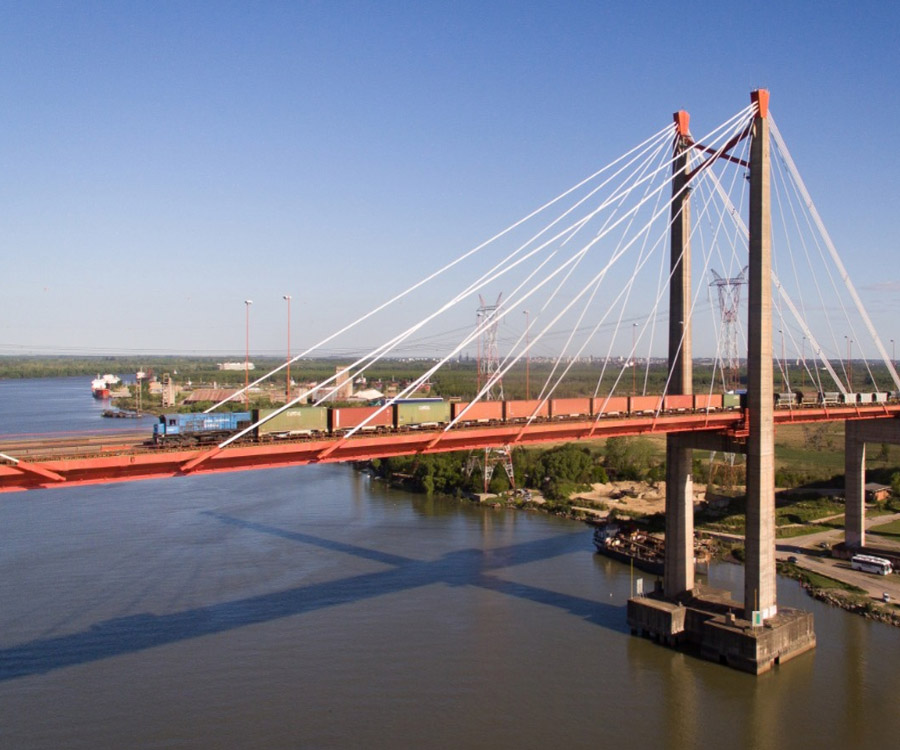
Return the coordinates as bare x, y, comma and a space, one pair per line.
877, 493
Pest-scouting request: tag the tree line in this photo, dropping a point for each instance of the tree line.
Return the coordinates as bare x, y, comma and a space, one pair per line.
556, 472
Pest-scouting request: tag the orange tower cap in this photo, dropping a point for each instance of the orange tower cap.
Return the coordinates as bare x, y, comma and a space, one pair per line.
682, 122
760, 98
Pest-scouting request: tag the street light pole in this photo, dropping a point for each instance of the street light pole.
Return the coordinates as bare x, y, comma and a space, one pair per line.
527, 358
247, 303
849, 368
287, 382
850, 362
893, 354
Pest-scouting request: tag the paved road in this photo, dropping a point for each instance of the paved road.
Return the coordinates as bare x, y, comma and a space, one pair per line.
811, 556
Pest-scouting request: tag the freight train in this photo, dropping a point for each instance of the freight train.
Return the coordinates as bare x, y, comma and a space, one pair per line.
415, 414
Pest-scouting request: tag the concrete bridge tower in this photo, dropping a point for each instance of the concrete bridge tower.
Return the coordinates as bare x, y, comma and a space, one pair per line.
679, 564
759, 564
724, 630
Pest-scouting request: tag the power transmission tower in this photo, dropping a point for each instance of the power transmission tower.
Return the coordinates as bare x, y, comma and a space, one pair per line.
729, 308
487, 321
488, 356
725, 472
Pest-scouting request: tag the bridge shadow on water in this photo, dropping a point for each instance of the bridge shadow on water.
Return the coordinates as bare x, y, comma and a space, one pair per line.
466, 567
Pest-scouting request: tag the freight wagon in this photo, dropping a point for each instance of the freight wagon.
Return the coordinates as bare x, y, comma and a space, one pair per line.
520, 411
413, 414
295, 422
570, 408
479, 412
346, 418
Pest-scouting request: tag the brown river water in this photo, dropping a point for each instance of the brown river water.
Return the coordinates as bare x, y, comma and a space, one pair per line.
315, 608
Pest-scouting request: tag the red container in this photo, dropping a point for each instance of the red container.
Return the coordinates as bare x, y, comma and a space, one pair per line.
644, 404
347, 417
708, 401
480, 411
679, 402
567, 408
613, 406
522, 410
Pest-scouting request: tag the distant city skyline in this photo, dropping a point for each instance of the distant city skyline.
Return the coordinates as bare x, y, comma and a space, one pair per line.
164, 163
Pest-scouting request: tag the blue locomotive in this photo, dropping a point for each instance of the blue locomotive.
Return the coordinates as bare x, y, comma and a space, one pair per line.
199, 428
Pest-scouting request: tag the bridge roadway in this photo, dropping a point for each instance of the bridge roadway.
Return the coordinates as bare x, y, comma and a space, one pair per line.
120, 457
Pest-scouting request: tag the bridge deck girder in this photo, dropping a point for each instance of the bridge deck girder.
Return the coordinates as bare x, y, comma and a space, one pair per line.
142, 463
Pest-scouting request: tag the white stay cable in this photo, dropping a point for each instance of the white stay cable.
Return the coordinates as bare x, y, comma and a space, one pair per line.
589, 302
817, 349
385, 348
782, 146
618, 253
449, 265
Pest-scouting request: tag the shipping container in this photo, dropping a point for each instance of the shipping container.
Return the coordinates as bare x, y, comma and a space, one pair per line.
731, 400
567, 408
519, 411
298, 420
707, 401
480, 411
678, 402
644, 404
610, 406
418, 413
345, 418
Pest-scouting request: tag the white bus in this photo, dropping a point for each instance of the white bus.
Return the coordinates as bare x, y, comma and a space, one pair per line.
871, 564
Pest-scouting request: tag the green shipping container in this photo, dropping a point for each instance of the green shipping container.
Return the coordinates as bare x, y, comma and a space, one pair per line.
414, 413
731, 400
298, 420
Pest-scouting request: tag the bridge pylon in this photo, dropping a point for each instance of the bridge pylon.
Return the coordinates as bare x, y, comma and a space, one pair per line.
678, 579
684, 611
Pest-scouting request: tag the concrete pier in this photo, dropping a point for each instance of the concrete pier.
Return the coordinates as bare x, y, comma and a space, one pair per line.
709, 624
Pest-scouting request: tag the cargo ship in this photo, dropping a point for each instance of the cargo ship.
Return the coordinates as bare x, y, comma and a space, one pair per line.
628, 543
100, 385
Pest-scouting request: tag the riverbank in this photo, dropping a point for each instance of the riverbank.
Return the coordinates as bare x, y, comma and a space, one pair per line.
841, 594
645, 503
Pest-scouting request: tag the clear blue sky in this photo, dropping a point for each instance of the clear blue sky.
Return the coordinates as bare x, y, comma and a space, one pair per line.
161, 162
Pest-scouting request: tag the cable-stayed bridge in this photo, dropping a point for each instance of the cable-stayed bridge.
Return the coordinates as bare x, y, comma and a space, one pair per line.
617, 267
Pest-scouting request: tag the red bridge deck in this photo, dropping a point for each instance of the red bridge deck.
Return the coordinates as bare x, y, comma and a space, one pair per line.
58, 465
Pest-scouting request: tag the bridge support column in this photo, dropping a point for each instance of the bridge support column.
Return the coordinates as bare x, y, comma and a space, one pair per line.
759, 566
678, 577
854, 486
856, 435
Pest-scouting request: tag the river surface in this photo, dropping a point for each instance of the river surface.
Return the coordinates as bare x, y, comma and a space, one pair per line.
315, 608
58, 407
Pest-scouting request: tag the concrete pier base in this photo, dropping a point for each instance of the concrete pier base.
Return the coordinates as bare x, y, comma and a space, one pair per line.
709, 624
